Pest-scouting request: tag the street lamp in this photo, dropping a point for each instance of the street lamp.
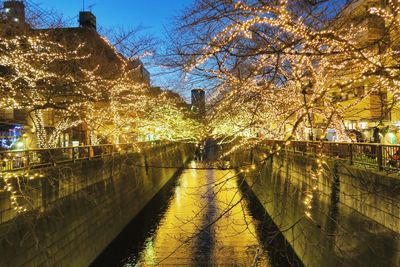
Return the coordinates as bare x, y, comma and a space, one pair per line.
20, 145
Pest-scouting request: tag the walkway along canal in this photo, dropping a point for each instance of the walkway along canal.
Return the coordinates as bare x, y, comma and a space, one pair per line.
205, 217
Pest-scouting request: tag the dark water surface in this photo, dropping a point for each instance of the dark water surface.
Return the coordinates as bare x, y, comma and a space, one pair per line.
204, 217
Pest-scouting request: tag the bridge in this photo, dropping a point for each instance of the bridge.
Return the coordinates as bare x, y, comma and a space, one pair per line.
76, 206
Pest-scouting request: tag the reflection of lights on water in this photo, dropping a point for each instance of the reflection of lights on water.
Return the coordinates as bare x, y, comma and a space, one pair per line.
150, 254
178, 195
193, 164
194, 201
231, 183
184, 182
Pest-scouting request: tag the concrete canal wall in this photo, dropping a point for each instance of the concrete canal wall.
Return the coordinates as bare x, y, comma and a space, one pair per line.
355, 216
75, 210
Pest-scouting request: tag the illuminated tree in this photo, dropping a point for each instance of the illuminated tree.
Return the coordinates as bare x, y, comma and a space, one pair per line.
32, 79
42, 74
289, 59
283, 69
169, 120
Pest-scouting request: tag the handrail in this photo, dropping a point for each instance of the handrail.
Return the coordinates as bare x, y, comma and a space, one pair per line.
372, 155
12, 160
99, 145
330, 142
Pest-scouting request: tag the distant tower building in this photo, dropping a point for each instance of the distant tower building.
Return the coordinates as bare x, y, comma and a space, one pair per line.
199, 101
140, 73
15, 12
87, 20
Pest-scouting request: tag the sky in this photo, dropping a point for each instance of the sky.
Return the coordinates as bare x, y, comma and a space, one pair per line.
152, 14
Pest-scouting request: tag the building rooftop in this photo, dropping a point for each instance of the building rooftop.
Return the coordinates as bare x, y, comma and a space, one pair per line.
100, 53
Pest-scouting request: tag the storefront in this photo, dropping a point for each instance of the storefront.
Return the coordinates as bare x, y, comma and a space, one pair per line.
10, 134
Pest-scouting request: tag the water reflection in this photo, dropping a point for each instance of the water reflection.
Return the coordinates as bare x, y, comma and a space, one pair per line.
205, 223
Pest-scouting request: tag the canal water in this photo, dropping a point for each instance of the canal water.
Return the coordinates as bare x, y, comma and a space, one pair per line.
204, 217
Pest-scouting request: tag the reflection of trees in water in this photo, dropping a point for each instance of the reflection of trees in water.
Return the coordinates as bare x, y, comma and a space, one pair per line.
209, 221
217, 213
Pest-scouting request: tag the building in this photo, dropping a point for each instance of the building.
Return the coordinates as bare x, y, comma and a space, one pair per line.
377, 110
14, 14
103, 57
199, 102
87, 20
140, 73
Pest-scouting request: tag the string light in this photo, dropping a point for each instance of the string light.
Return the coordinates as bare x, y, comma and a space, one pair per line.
279, 73
78, 87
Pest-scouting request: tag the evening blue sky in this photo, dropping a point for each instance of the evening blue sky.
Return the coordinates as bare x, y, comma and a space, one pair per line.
153, 14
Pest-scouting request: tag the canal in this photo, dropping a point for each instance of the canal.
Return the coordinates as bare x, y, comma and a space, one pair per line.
206, 216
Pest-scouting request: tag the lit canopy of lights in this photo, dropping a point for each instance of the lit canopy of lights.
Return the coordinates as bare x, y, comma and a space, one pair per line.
283, 69
62, 82
292, 70
59, 77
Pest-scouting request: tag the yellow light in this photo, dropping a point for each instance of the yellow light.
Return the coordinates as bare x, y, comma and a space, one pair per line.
20, 145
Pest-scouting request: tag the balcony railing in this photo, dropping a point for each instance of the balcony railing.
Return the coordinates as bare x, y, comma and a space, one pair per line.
372, 155
36, 158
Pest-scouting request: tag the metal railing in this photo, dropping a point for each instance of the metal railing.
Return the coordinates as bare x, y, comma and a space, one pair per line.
374, 155
34, 158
